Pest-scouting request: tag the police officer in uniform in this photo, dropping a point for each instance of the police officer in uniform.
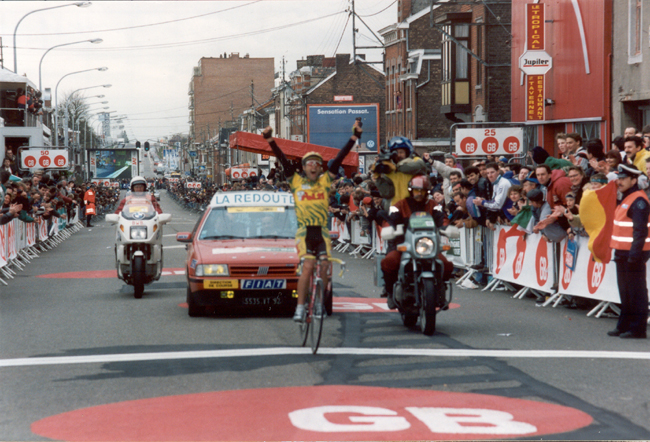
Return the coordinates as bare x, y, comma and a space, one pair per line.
631, 241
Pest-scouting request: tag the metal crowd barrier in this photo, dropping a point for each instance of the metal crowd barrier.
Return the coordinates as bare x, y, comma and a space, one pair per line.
21, 243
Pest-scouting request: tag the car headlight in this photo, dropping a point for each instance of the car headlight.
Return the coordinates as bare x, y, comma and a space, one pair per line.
211, 270
424, 246
138, 233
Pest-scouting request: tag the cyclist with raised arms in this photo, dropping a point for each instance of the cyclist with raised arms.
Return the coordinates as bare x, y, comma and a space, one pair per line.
310, 191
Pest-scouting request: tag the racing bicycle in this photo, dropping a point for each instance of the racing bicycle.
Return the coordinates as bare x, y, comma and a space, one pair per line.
318, 303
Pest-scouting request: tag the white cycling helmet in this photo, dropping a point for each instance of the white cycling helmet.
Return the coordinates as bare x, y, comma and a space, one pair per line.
137, 180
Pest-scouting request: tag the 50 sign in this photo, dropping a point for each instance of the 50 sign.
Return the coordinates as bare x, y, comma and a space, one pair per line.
493, 141
44, 159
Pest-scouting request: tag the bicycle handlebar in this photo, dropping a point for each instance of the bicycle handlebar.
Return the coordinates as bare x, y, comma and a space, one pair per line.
329, 258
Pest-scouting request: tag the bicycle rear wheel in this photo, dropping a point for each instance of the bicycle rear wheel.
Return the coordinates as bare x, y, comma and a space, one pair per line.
317, 317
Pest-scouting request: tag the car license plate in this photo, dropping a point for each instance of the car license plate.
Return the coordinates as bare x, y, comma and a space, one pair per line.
220, 284
263, 284
262, 301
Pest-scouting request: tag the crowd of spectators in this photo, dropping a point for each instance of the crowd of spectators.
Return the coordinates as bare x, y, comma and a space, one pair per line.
48, 195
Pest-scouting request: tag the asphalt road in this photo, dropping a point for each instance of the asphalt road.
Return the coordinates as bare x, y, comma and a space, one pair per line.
81, 359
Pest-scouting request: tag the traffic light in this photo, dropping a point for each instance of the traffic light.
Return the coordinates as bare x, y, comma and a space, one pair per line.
137, 145
146, 146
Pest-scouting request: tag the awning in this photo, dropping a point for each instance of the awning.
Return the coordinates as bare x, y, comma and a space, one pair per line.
294, 150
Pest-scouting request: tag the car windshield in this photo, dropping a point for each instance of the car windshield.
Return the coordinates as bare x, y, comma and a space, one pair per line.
138, 206
250, 222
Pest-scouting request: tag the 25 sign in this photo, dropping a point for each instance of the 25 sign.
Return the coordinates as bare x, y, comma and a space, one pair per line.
44, 159
491, 141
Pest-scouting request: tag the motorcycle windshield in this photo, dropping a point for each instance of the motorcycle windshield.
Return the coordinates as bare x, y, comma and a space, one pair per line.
421, 221
138, 206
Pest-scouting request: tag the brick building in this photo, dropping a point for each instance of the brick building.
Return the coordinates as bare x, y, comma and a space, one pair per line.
336, 82
221, 89
432, 82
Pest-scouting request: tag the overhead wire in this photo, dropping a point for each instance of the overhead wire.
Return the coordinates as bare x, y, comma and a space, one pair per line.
201, 41
141, 26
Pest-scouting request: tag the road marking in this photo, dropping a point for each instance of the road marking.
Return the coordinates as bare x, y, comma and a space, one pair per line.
174, 247
284, 351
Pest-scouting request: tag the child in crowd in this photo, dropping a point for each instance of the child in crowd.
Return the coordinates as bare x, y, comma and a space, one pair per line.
515, 194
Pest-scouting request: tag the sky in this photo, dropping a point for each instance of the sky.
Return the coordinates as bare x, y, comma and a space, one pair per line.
151, 47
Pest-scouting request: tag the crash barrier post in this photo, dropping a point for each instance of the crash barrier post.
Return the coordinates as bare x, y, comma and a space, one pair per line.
466, 249
344, 235
361, 239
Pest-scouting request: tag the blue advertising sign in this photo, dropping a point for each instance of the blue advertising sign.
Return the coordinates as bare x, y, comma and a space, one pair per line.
331, 125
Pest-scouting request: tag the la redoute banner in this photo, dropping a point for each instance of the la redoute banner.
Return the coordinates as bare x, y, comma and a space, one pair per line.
514, 255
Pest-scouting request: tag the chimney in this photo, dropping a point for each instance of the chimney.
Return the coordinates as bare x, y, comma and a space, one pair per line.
342, 60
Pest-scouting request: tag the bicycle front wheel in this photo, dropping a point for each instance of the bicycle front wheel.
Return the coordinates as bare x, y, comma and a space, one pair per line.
317, 317
304, 329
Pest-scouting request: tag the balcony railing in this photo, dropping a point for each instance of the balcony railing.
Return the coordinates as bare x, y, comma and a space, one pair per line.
15, 117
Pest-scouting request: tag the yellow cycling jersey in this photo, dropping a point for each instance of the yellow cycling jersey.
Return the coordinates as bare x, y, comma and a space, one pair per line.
311, 199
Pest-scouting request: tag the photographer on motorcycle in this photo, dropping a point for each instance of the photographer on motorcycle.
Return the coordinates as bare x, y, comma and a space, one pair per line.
138, 184
419, 188
393, 172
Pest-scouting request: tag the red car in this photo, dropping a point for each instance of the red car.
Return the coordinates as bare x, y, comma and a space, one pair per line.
242, 253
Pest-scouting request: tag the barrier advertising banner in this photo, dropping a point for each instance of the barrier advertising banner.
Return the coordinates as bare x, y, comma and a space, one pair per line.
516, 253
590, 279
3, 245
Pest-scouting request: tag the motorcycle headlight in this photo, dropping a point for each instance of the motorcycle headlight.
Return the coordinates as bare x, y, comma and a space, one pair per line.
424, 246
138, 233
211, 270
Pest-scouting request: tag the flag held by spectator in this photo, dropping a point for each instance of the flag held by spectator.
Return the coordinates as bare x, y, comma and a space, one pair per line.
524, 219
597, 216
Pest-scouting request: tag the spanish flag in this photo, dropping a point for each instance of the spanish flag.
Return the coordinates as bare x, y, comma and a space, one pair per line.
597, 216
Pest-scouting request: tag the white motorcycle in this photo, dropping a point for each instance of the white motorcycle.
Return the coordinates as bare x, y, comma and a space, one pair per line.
138, 242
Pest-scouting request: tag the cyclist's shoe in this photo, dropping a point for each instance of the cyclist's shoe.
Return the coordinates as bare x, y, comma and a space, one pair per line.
390, 302
299, 315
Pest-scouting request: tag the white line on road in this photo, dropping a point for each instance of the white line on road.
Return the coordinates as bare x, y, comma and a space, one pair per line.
283, 351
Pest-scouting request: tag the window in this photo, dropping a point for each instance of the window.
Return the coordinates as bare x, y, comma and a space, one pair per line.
588, 131
635, 34
455, 83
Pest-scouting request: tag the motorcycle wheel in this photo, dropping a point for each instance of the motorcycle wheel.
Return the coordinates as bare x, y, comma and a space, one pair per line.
409, 319
427, 292
138, 276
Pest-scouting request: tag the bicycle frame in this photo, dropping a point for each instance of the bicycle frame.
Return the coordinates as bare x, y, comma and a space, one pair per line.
315, 307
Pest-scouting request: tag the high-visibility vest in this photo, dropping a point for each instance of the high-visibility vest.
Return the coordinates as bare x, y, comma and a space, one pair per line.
623, 225
90, 209
89, 197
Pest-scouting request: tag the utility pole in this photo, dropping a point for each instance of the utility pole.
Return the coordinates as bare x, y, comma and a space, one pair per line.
252, 94
354, 34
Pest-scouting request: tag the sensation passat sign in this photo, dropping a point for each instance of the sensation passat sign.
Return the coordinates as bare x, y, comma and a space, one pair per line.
331, 125
44, 159
489, 141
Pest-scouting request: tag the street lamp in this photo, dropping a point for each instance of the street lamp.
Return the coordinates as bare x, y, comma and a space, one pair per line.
93, 41
56, 94
79, 4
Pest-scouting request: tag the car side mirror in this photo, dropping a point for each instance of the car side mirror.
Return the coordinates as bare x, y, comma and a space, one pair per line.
184, 237
164, 218
112, 218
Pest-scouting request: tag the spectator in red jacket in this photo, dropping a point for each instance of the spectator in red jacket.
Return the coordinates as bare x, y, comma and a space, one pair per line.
556, 183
